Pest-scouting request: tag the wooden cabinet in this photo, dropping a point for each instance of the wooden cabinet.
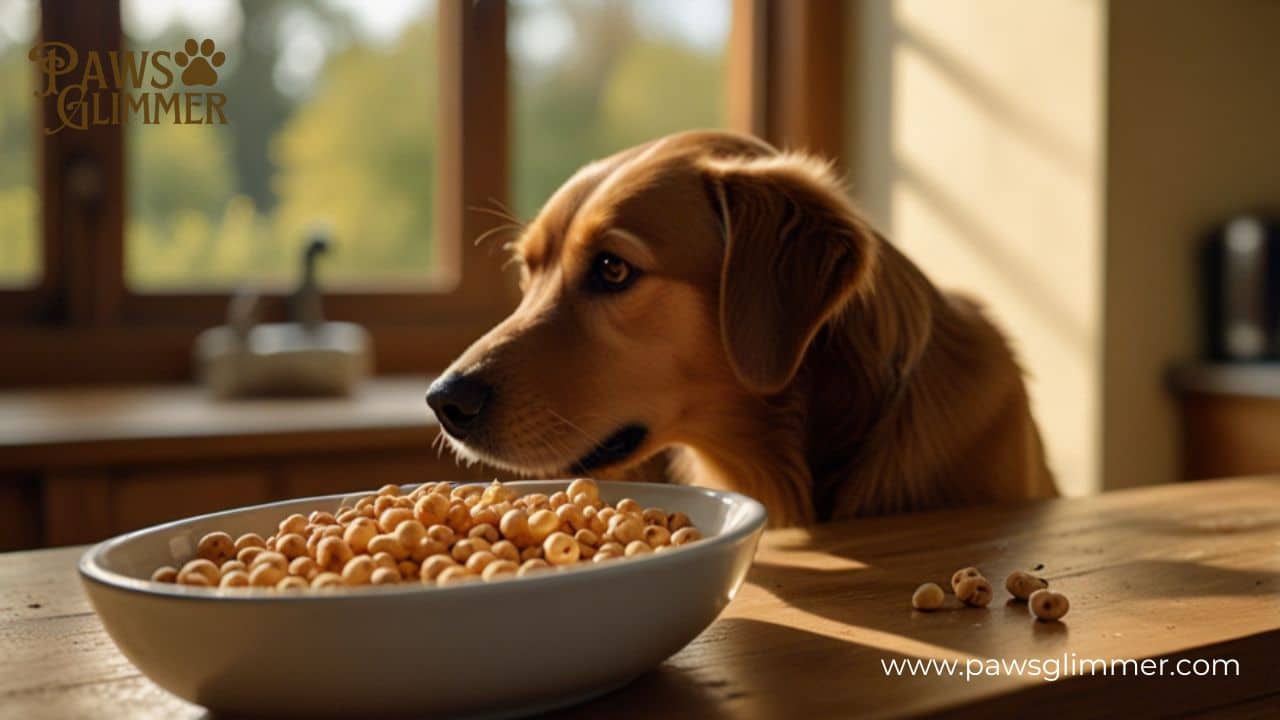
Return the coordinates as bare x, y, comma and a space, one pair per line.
1230, 420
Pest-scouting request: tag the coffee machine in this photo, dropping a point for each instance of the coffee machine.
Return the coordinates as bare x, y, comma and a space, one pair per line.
1240, 279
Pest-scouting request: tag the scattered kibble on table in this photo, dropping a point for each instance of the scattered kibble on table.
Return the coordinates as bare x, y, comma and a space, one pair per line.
1048, 605
972, 588
438, 534
974, 591
1021, 584
963, 574
928, 596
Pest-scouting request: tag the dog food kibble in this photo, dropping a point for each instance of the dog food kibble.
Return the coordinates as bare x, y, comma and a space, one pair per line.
292, 583
216, 547
291, 545
304, 567
327, 579
637, 547
248, 554
293, 524
584, 486
541, 524
962, 574
390, 545
480, 560
625, 528
560, 549
265, 575
505, 550
656, 536
384, 576
685, 535
532, 566
437, 535
359, 533
234, 578
199, 572
274, 559
250, 540
358, 570
454, 576
435, 565
927, 597
1022, 584
333, 553
498, 568
1048, 605
975, 591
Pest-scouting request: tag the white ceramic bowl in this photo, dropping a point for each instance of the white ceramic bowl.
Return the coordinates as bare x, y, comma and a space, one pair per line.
484, 649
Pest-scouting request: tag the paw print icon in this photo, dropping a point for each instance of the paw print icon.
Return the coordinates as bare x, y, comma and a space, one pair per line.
200, 61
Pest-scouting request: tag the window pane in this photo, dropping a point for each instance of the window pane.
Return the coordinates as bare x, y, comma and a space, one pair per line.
19, 236
331, 114
594, 77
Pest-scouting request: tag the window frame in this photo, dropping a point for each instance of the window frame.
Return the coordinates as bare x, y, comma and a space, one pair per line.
82, 324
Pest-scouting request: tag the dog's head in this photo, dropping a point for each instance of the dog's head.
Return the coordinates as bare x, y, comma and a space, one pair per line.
659, 284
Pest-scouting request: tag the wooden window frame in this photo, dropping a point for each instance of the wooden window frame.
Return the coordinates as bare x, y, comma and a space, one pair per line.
82, 324
787, 74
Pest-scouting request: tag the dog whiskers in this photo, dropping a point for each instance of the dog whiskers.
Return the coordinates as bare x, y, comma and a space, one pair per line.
593, 443
511, 224
504, 211
495, 231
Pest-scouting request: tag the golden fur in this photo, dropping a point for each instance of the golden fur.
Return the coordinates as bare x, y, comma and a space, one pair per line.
775, 340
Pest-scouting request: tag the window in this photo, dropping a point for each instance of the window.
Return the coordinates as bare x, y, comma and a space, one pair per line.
19, 228
215, 206
388, 124
592, 78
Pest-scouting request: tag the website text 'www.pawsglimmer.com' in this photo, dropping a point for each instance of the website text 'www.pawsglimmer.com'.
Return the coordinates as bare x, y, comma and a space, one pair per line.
1052, 668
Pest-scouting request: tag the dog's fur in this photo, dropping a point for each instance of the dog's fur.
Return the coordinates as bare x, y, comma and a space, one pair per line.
773, 338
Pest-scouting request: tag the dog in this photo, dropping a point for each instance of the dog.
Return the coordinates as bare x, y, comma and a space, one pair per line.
709, 293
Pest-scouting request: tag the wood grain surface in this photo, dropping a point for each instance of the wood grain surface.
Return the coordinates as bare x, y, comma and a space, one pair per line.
1180, 571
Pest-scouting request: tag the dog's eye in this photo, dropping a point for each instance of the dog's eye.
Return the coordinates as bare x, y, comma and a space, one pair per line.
610, 273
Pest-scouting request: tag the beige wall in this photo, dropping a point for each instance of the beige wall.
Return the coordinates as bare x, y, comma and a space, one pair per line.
1193, 116
976, 144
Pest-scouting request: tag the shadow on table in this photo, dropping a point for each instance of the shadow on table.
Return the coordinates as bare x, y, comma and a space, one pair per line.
747, 668
730, 669
1097, 559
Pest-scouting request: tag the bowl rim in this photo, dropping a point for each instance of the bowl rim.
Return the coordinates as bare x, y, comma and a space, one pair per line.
92, 570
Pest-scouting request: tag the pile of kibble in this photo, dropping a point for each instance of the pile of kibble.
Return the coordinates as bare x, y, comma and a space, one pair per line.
437, 535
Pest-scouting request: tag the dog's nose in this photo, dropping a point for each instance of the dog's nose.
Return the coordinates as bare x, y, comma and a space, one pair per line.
457, 400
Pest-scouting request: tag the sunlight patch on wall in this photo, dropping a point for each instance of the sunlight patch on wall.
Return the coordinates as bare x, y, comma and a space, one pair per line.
984, 166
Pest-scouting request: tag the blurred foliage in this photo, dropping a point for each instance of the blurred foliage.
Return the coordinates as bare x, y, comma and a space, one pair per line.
611, 88
212, 206
19, 257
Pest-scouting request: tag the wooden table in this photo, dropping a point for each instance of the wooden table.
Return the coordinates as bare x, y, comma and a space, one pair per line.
1182, 571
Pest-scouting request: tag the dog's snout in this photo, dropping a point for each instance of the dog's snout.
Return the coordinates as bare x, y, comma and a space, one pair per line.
458, 400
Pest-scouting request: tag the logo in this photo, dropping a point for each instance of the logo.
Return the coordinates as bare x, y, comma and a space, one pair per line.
116, 87
200, 68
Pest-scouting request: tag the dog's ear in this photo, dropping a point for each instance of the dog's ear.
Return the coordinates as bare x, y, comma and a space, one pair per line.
796, 253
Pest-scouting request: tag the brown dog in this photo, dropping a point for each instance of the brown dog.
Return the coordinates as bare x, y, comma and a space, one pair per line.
709, 293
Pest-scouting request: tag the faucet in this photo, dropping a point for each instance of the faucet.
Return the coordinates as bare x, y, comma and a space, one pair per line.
304, 304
